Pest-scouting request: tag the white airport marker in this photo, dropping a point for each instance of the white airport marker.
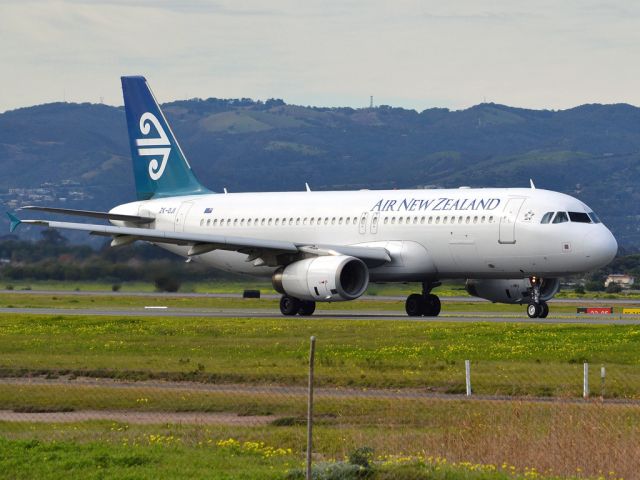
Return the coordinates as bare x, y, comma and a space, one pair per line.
467, 371
152, 307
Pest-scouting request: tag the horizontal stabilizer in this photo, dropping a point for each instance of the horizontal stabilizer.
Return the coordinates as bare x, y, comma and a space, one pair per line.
89, 213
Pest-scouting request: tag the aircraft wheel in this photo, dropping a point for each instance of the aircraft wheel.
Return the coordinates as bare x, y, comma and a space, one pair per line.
307, 307
289, 305
534, 310
432, 305
414, 305
544, 310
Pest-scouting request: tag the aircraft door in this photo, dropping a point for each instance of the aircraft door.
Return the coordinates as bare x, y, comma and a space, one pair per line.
507, 234
363, 223
181, 216
375, 217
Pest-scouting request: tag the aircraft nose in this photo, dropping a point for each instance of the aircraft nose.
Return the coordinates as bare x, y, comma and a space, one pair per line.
600, 247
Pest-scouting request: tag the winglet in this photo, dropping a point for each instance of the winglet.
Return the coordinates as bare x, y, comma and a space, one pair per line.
533, 187
15, 221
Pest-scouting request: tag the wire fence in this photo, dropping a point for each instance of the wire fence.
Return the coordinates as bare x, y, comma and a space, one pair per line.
551, 419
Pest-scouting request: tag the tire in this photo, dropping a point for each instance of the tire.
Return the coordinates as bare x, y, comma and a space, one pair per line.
289, 305
414, 305
432, 305
534, 310
307, 308
544, 310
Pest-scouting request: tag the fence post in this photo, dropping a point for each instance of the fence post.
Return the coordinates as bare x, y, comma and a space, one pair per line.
602, 375
312, 352
585, 381
467, 372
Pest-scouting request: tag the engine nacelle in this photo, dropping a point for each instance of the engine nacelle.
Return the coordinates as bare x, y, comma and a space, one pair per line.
511, 291
323, 279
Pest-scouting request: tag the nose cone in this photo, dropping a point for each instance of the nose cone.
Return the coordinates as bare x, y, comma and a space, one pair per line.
600, 247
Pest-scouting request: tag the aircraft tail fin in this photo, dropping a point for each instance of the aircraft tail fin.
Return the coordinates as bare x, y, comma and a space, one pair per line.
160, 167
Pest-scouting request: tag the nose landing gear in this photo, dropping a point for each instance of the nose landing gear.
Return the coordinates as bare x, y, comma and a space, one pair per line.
427, 304
537, 308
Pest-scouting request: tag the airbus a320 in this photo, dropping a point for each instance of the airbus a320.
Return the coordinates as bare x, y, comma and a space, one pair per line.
511, 245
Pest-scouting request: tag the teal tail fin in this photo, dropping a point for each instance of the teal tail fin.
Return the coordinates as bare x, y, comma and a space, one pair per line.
15, 221
159, 165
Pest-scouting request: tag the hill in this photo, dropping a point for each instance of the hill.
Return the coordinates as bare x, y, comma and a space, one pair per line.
77, 154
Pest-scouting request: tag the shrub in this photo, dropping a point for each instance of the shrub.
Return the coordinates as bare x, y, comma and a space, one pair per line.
167, 284
614, 288
116, 287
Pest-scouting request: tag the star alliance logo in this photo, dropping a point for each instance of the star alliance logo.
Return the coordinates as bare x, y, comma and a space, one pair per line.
154, 146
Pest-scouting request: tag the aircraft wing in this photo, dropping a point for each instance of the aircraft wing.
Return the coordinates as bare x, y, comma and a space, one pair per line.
259, 251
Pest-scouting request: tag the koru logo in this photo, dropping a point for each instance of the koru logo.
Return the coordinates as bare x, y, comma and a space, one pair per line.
154, 146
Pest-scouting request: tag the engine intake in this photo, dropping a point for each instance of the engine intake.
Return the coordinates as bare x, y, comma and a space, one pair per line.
323, 279
511, 291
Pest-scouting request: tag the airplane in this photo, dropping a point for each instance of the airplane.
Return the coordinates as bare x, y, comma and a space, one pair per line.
511, 245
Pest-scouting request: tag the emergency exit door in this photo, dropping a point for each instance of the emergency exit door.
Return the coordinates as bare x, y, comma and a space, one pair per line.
508, 220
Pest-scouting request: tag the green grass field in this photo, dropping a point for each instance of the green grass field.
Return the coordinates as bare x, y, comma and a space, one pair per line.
448, 289
476, 437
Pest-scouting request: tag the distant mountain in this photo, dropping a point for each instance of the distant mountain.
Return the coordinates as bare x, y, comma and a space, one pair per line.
79, 152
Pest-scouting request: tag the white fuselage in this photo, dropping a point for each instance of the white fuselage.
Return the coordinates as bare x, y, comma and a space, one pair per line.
430, 234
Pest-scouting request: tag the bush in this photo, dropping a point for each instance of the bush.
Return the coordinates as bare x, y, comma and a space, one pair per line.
614, 288
167, 284
116, 287
579, 290
594, 286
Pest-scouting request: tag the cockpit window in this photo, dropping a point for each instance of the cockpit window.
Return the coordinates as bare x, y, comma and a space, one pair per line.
561, 217
546, 218
579, 217
594, 218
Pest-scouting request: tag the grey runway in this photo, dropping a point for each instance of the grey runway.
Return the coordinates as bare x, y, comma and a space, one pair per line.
273, 296
459, 317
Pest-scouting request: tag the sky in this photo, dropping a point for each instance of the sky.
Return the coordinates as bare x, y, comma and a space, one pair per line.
542, 54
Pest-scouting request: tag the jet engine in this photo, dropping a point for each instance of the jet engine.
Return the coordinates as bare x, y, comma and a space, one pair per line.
511, 291
331, 278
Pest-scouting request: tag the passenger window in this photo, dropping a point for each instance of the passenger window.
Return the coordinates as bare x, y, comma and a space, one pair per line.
491, 219
430, 220
346, 220
561, 217
249, 223
422, 220
579, 217
312, 221
546, 218
386, 220
393, 220
340, 221
482, 220
444, 220
400, 220
459, 219
215, 222
438, 219
208, 222
333, 221
475, 219
270, 221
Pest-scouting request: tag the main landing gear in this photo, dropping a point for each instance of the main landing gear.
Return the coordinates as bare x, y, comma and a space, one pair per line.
292, 306
426, 304
537, 308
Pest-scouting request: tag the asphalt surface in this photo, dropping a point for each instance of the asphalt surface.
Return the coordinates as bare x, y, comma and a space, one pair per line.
460, 317
103, 293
